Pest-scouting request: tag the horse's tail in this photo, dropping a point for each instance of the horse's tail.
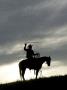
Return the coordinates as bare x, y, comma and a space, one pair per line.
20, 70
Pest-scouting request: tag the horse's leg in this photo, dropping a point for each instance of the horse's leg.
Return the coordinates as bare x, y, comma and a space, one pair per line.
37, 73
20, 71
23, 72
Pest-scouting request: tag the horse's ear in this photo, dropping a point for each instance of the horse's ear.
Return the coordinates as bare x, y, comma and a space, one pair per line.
49, 57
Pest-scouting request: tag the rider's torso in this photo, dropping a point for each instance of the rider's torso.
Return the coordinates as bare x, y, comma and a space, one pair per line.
30, 53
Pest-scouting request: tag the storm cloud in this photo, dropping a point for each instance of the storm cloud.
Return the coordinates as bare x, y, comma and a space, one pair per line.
43, 21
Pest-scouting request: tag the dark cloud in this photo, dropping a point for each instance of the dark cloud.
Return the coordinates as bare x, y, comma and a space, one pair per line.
27, 20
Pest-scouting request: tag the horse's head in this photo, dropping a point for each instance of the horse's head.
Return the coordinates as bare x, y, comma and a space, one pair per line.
48, 61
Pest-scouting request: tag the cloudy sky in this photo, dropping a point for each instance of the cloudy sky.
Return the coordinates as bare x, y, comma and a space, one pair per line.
42, 21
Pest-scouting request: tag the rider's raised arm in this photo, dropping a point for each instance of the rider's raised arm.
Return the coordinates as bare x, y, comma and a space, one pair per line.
25, 47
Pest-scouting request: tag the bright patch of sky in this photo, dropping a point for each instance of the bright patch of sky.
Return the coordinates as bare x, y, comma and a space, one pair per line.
10, 72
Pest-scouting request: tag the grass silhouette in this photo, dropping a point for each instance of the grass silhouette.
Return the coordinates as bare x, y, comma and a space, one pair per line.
48, 83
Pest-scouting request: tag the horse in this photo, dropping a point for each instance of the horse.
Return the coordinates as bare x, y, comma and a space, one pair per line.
35, 64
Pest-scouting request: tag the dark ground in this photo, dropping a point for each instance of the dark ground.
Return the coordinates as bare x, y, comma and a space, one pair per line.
55, 83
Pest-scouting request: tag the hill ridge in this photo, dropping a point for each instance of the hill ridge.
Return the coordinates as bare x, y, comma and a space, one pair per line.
33, 83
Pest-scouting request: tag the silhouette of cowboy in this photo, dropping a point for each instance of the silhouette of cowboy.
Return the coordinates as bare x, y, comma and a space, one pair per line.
29, 52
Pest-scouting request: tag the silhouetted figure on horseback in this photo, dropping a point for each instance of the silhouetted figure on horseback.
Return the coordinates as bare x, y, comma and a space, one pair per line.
32, 62
29, 52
